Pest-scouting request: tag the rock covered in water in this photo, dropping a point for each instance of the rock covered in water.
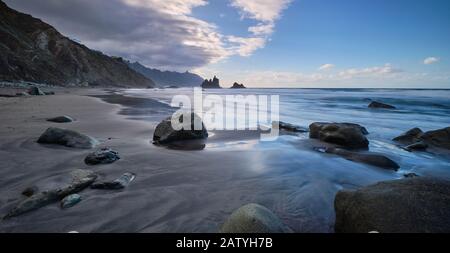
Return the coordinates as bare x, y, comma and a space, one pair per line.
289, 127
30, 191
120, 183
254, 218
61, 119
44, 198
70, 200
410, 175
35, 91
376, 104
164, 132
420, 145
370, 158
411, 205
102, 156
348, 135
68, 138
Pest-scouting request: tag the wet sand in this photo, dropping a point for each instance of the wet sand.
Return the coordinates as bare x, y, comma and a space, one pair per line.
175, 190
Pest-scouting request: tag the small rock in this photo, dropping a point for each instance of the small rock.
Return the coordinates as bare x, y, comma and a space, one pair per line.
164, 133
410, 175
410, 205
290, 127
375, 104
119, 183
49, 92
370, 158
68, 138
61, 119
344, 134
35, 91
70, 200
30, 191
417, 146
102, 156
254, 218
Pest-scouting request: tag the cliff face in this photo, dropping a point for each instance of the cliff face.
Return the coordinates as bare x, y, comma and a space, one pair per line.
31, 50
168, 78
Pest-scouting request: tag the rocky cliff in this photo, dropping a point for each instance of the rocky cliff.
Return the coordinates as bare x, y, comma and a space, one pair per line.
167, 78
211, 84
33, 51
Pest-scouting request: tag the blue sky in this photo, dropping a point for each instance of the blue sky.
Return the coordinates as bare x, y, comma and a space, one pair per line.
268, 43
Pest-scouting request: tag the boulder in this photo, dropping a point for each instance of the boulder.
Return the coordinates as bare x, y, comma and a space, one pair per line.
164, 133
119, 183
44, 198
70, 200
102, 156
254, 218
348, 135
410, 205
439, 138
376, 105
417, 146
35, 91
409, 136
370, 158
68, 138
61, 119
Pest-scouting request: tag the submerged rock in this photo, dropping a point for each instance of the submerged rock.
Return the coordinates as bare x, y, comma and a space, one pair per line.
68, 138
344, 134
44, 198
417, 146
164, 133
70, 200
119, 183
410, 175
290, 127
61, 119
35, 91
28, 192
22, 94
375, 104
412, 205
102, 156
49, 92
254, 218
370, 158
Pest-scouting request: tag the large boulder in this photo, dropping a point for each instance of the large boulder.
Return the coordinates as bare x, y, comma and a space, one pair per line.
68, 138
411, 205
379, 105
348, 135
165, 133
370, 158
254, 218
438, 138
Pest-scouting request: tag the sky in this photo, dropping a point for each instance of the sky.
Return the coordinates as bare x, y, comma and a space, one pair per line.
268, 43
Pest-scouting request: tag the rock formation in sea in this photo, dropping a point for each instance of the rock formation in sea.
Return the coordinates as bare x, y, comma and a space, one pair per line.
416, 139
211, 84
33, 51
168, 79
237, 86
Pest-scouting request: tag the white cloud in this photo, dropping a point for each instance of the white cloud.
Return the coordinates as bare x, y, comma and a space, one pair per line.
158, 33
430, 60
378, 71
327, 66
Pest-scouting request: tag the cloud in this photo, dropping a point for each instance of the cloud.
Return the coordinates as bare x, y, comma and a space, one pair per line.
326, 66
378, 71
158, 33
430, 60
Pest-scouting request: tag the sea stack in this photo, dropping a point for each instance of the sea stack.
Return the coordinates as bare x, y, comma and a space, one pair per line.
237, 86
211, 84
